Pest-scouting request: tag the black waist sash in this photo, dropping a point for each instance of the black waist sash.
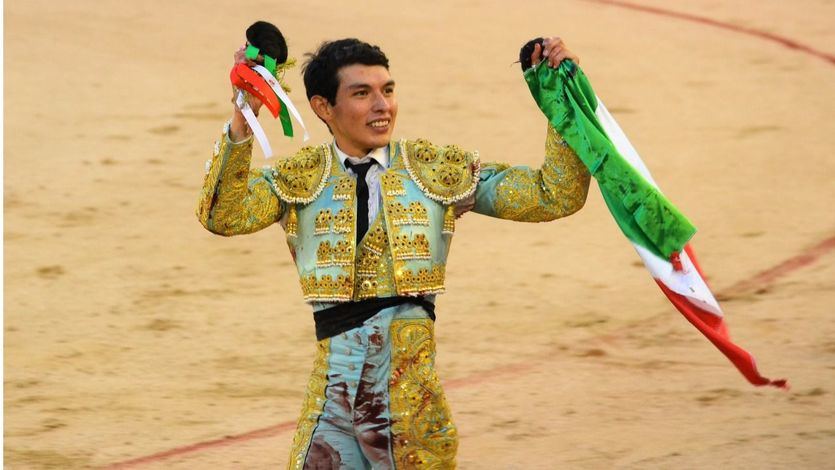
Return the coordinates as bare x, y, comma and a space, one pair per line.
347, 316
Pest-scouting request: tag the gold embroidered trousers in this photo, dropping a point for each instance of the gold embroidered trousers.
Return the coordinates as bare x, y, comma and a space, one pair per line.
374, 400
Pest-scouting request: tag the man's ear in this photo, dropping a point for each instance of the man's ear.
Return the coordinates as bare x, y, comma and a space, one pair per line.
322, 108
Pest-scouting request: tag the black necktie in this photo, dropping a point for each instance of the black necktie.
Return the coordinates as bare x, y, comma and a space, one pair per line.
361, 169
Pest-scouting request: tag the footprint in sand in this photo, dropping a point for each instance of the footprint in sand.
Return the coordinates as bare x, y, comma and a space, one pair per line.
751, 131
716, 395
161, 324
50, 272
164, 130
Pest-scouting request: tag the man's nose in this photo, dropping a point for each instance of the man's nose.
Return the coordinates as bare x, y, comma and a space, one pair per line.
381, 103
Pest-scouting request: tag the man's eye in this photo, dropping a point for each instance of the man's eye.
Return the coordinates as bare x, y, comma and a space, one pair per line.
361, 93
389, 91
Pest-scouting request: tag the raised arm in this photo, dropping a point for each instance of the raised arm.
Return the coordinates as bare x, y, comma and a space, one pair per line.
524, 194
236, 200
556, 189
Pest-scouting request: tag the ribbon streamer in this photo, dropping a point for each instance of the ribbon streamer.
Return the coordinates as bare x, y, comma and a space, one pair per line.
282, 95
252, 120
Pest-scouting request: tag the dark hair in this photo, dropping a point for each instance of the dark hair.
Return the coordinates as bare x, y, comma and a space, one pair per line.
526, 52
268, 38
321, 68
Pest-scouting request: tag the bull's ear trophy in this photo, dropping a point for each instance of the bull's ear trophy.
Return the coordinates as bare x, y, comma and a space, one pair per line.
526, 51
263, 81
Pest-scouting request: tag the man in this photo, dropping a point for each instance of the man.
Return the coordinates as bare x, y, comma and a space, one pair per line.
369, 223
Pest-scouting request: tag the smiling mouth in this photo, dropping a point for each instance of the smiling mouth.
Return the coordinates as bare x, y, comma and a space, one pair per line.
380, 123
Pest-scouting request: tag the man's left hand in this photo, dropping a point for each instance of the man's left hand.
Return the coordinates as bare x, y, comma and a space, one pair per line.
554, 51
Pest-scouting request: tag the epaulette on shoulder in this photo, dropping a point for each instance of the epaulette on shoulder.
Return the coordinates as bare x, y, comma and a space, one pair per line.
445, 174
301, 178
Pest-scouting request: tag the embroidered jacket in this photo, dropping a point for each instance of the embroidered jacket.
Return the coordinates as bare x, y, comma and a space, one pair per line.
405, 249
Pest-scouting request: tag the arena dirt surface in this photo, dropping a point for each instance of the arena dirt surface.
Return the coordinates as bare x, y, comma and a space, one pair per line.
130, 331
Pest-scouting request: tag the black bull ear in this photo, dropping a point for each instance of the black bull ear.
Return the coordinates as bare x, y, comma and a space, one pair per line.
526, 51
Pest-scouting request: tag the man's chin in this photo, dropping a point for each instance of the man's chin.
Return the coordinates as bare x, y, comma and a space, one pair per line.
379, 141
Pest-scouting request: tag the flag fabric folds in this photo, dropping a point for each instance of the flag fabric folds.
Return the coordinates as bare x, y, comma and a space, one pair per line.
658, 231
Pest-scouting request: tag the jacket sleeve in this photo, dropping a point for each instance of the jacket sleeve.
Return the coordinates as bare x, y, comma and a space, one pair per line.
236, 200
523, 194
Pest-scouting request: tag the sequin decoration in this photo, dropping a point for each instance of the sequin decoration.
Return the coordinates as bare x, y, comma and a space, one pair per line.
326, 288
393, 184
406, 247
376, 239
314, 403
423, 282
423, 434
322, 225
234, 199
418, 213
292, 228
344, 189
398, 213
449, 220
344, 220
415, 214
302, 177
341, 254
374, 271
444, 174
556, 190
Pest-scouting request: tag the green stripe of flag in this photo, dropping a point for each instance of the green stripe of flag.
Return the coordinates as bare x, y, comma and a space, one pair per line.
644, 215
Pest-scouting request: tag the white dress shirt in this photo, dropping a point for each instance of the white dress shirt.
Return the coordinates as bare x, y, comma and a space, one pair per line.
372, 178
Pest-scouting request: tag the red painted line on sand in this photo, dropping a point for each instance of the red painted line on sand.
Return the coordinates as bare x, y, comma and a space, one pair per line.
760, 280
197, 447
765, 278
271, 431
776, 38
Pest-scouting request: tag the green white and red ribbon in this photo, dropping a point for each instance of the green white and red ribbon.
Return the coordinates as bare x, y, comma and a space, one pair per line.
656, 229
267, 72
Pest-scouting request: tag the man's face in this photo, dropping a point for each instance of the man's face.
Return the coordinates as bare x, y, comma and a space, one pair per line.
363, 117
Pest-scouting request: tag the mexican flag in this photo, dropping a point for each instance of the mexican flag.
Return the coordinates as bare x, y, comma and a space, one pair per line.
658, 231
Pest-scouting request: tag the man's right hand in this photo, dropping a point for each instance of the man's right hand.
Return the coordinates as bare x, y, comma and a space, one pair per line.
238, 128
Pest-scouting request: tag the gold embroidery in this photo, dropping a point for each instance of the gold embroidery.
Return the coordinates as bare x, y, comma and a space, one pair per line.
302, 177
406, 247
418, 213
445, 174
344, 189
421, 283
449, 220
314, 403
424, 435
374, 267
292, 222
234, 199
376, 240
324, 257
393, 184
556, 190
342, 254
398, 213
326, 288
323, 222
344, 220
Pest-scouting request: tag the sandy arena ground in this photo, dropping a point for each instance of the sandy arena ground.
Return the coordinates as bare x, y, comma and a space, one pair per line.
130, 330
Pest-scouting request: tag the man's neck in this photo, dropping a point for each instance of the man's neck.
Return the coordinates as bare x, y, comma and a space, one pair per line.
380, 155
353, 151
